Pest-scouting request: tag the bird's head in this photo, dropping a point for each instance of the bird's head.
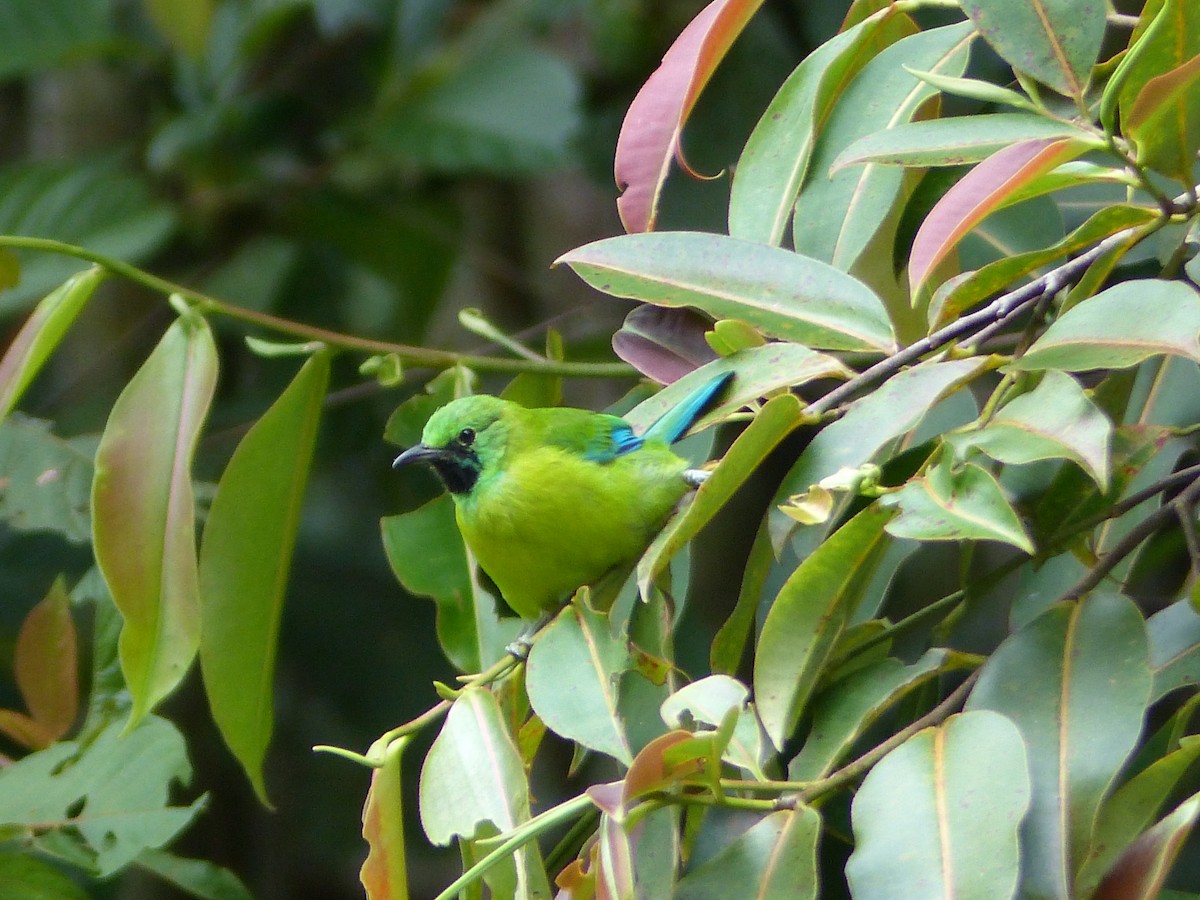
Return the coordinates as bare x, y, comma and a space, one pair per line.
461, 440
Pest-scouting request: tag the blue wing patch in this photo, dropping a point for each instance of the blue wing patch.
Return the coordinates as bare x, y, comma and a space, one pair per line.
624, 440
615, 440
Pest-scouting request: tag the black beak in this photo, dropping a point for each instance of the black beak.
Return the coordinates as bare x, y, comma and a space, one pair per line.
458, 467
419, 453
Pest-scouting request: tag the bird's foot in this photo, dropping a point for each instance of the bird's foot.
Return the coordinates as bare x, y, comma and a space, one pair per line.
696, 477
519, 648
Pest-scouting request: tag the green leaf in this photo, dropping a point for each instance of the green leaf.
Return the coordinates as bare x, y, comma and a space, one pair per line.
572, 680
1145, 864
474, 776
198, 877
710, 700
951, 142
775, 421
1167, 40
844, 710
1055, 41
774, 163
938, 816
41, 334
1131, 810
869, 425
956, 504
429, 559
245, 556
384, 873
1164, 121
783, 294
96, 204
761, 372
40, 34
808, 617
1075, 681
143, 519
24, 877
46, 663
114, 792
510, 110
1121, 326
982, 91
838, 214
47, 480
1056, 420
775, 859
1174, 648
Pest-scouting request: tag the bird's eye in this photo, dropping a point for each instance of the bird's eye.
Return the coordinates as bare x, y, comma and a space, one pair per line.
466, 437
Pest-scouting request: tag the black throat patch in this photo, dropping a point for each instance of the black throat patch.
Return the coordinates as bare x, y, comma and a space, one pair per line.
458, 468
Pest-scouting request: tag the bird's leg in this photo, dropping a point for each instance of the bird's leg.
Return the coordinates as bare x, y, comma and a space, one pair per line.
696, 477
519, 648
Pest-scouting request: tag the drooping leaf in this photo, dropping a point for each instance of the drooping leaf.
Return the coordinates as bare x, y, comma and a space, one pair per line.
774, 163
808, 617
1075, 682
384, 873
1055, 41
848, 707
579, 650
870, 423
1121, 326
650, 134
41, 333
951, 142
938, 816
980, 192
838, 214
143, 520
774, 422
1054, 420
245, 557
46, 663
784, 295
115, 791
775, 859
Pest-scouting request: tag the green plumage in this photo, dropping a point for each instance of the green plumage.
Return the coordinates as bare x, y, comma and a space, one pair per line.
552, 499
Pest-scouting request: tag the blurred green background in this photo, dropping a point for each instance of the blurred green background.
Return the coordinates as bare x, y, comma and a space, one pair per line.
372, 166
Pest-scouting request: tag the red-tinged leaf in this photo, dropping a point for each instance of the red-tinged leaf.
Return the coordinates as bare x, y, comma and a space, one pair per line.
384, 873
244, 562
1143, 868
1165, 121
41, 333
649, 137
663, 344
981, 191
143, 515
650, 770
1166, 37
46, 663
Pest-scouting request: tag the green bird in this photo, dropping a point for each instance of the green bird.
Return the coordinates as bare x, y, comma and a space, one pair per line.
549, 500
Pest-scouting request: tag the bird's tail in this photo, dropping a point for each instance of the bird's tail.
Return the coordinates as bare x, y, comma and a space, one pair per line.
679, 418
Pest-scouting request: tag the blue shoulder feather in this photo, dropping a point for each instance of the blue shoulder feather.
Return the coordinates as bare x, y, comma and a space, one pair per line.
680, 418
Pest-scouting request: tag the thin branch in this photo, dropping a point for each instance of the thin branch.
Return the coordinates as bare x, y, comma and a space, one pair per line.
852, 771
